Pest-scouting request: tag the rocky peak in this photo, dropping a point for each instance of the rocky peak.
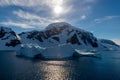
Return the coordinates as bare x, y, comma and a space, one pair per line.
63, 33
58, 25
8, 36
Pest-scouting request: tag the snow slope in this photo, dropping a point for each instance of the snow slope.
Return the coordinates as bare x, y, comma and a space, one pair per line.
64, 33
60, 33
9, 40
109, 44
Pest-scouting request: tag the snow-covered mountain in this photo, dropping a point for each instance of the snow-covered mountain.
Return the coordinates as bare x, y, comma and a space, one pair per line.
109, 44
53, 35
106, 41
60, 33
8, 39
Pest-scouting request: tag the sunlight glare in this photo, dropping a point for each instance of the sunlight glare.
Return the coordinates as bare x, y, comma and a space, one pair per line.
58, 9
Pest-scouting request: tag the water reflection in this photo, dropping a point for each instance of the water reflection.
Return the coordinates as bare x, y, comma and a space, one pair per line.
54, 70
84, 68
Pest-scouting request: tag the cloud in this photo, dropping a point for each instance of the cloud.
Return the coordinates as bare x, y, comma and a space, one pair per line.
35, 3
39, 5
27, 15
90, 1
24, 3
30, 20
83, 17
34, 19
106, 18
47, 5
17, 24
117, 41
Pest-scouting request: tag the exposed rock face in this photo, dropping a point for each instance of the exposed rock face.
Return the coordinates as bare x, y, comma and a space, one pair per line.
62, 33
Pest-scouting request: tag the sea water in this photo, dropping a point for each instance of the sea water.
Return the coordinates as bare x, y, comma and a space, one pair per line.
107, 67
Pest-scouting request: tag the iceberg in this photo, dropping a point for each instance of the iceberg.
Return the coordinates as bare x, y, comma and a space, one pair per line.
59, 52
64, 51
30, 50
84, 53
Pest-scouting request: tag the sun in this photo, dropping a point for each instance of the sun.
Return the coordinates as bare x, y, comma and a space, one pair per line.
58, 9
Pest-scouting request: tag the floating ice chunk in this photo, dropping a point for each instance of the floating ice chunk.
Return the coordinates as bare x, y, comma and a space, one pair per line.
56, 52
59, 52
88, 53
29, 50
83, 52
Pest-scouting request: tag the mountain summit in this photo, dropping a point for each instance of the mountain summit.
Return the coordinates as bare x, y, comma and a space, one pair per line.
60, 33
59, 24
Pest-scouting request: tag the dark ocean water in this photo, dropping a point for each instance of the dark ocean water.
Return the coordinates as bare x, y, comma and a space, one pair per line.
85, 68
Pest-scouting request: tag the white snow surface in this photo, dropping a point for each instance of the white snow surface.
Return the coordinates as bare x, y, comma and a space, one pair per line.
84, 52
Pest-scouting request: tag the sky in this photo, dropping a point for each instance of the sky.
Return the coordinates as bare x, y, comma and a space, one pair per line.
101, 17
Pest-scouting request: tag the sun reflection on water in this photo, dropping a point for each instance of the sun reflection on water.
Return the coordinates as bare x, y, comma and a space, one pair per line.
55, 70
